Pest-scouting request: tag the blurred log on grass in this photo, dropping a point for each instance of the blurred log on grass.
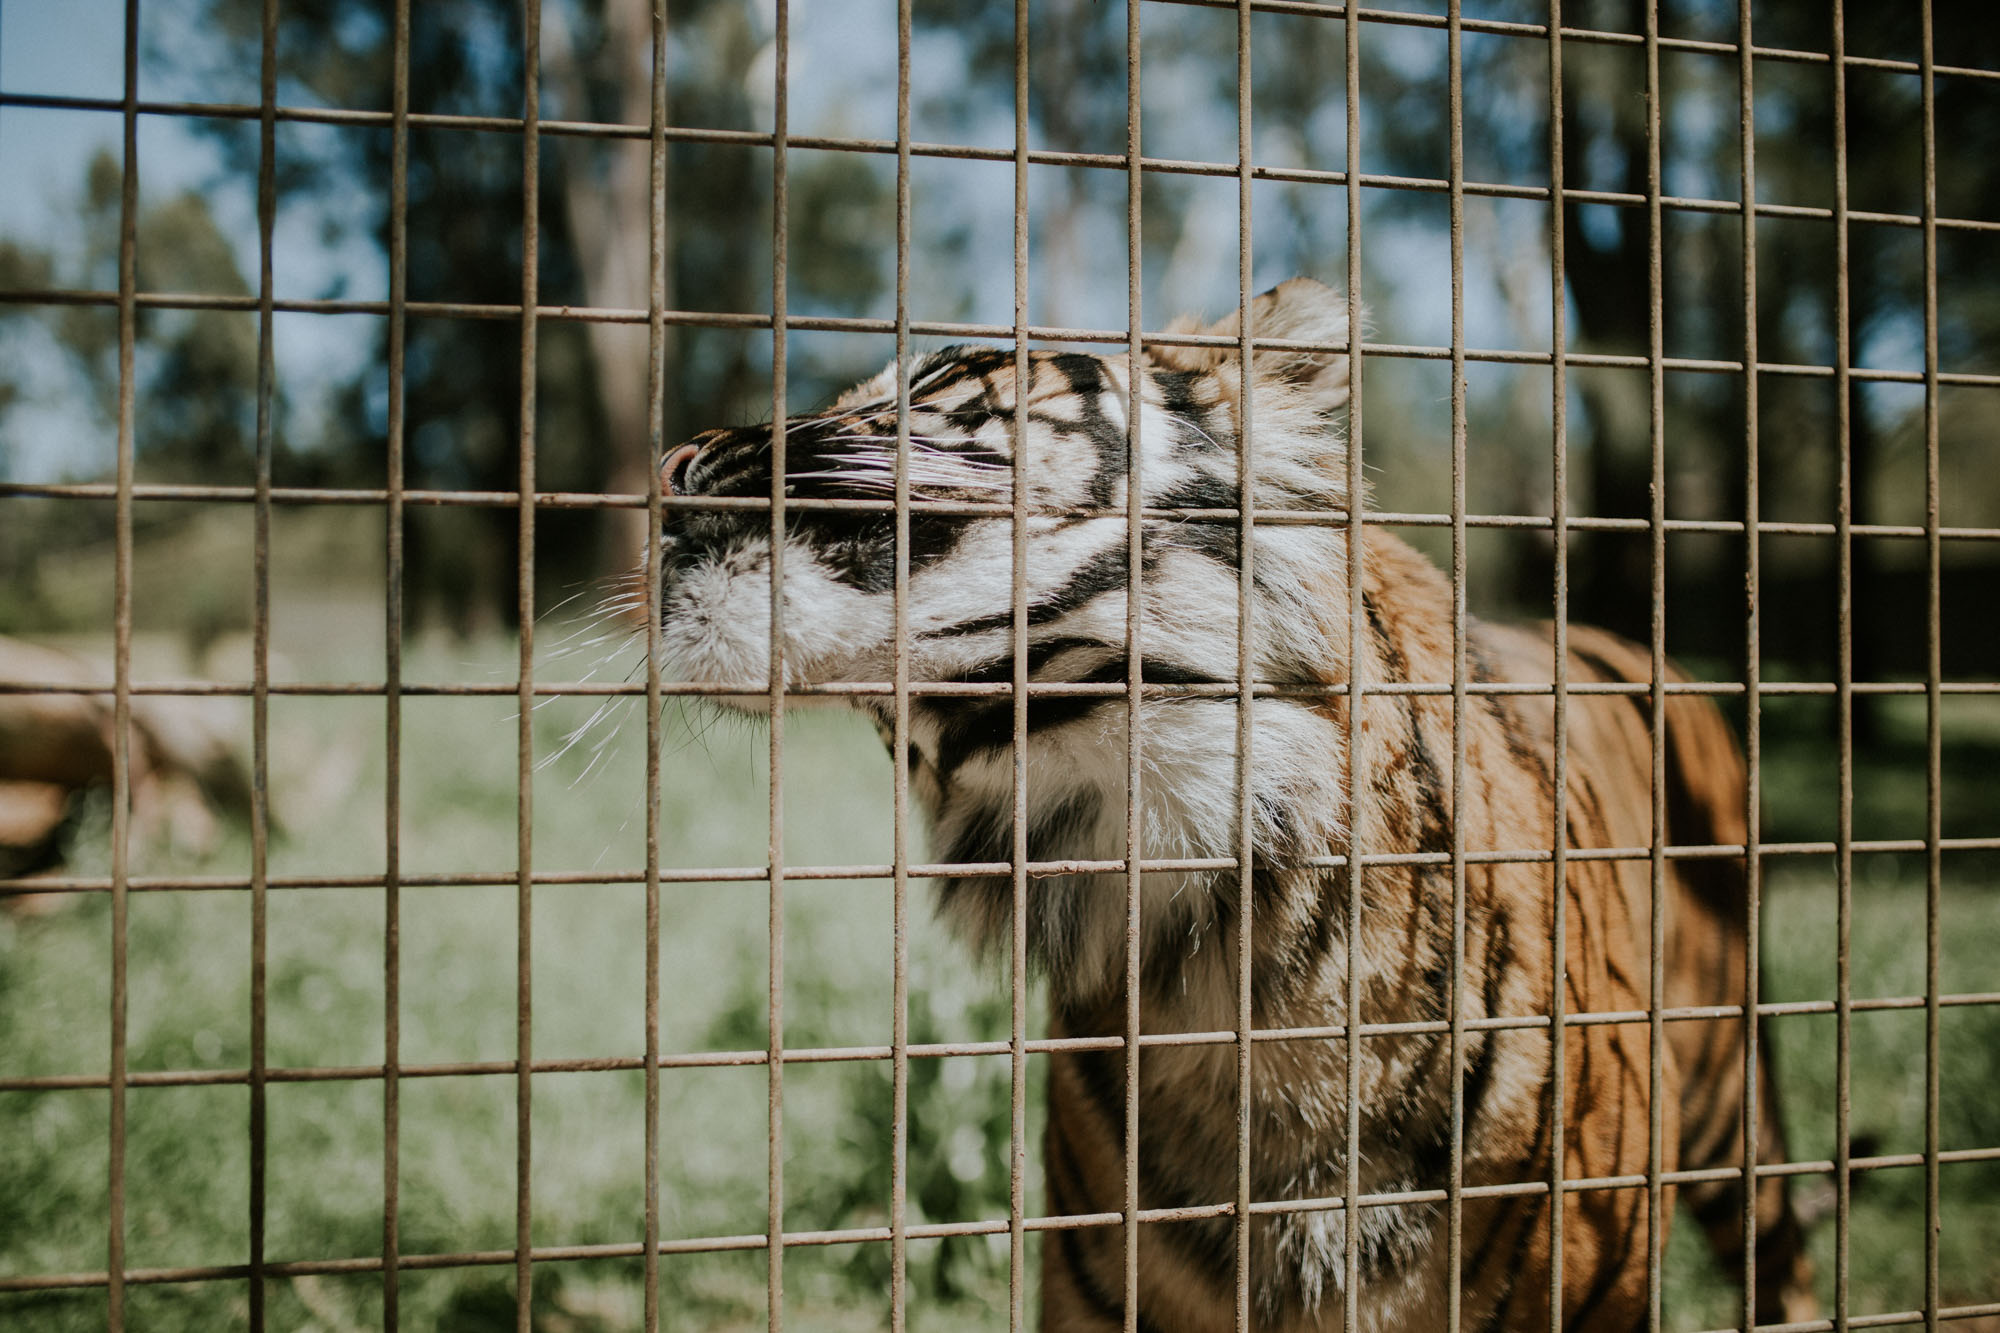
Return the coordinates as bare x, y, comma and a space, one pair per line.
187, 766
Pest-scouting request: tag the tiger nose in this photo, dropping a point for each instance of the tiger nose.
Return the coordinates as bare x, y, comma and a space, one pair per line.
673, 471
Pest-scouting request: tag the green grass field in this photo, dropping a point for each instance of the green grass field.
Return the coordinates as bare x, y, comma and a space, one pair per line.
187, 1164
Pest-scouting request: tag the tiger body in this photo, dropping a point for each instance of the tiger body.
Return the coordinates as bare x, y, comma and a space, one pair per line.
838, 623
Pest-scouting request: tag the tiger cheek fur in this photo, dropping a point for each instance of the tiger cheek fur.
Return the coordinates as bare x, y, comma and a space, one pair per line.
838, 622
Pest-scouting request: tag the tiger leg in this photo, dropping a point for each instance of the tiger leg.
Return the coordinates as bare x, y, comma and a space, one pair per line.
1080, 1290
1708, 951
1784, 1275
1072, 1299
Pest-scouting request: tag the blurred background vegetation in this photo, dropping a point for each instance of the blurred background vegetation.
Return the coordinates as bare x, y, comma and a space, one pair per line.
196, 374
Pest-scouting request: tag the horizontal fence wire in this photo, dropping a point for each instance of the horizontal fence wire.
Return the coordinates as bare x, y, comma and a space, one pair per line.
937, 1230
1036, 1046
973, 869
997, 689
153, 491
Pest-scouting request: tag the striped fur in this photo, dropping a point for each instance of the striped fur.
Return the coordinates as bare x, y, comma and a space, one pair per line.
838, 622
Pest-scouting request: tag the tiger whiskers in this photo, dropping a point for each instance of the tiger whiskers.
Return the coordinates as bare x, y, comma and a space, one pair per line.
929, 465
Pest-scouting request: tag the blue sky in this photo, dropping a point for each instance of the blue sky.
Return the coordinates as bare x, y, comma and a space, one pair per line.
843, 83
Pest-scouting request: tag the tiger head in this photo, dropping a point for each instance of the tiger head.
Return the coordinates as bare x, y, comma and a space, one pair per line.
839, 565
840, 569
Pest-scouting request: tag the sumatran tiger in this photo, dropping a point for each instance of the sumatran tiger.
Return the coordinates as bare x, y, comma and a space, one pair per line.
839, 624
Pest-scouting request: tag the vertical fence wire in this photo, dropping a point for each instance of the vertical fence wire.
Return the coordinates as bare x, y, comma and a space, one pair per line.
260, 633
524, 773
392, 670
121, 722
1135, 546
656, 450
774, 1033
1558, 1100
1246, 495
899, 1041
1357, 735
1017, 939
1656, 1048
1843, 538
1933, 678
1753, 661
1455, 1178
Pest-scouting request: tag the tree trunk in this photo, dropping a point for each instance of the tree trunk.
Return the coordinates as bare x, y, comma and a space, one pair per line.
607, 199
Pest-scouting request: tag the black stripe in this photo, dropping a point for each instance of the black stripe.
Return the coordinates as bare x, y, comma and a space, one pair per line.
1479, 1070
1518, 1260
1503, 710
1610, 1270
1608, 670
1278, 977
1176, 389
1000, 670
968, 728
1101, 1075
1152, 671
1208, 1243
1052, 832
1100, 1301
1713, 1207
1100, 573
1203, 490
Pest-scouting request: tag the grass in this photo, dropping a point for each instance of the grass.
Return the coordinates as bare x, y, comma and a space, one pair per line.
187, 1156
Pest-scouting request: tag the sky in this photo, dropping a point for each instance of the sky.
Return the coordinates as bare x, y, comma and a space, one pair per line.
843, 82
75, 48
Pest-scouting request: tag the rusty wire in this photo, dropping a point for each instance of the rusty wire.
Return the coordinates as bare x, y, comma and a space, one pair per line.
524, 753
1753, 665
392, 671
527, 501
1559, 520
121, 752
657, 445
260, 698
1356, 735
1933, 670
1135, 571
1455, 1168
1017, 934
1656, 444
1246, 474
774, 1011
1843, 697
899, 735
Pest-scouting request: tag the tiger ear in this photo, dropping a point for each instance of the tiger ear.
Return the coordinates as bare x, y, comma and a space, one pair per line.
1300, 309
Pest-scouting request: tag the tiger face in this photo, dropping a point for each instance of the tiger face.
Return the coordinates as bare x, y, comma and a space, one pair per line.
840, 565
969, 414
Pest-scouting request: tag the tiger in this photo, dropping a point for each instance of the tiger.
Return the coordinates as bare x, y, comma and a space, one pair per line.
969, 413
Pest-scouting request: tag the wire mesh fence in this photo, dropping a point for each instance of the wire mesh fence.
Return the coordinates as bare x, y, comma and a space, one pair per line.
1954, 1284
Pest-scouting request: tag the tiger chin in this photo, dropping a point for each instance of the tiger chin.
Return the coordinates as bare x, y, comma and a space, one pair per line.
839, 623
